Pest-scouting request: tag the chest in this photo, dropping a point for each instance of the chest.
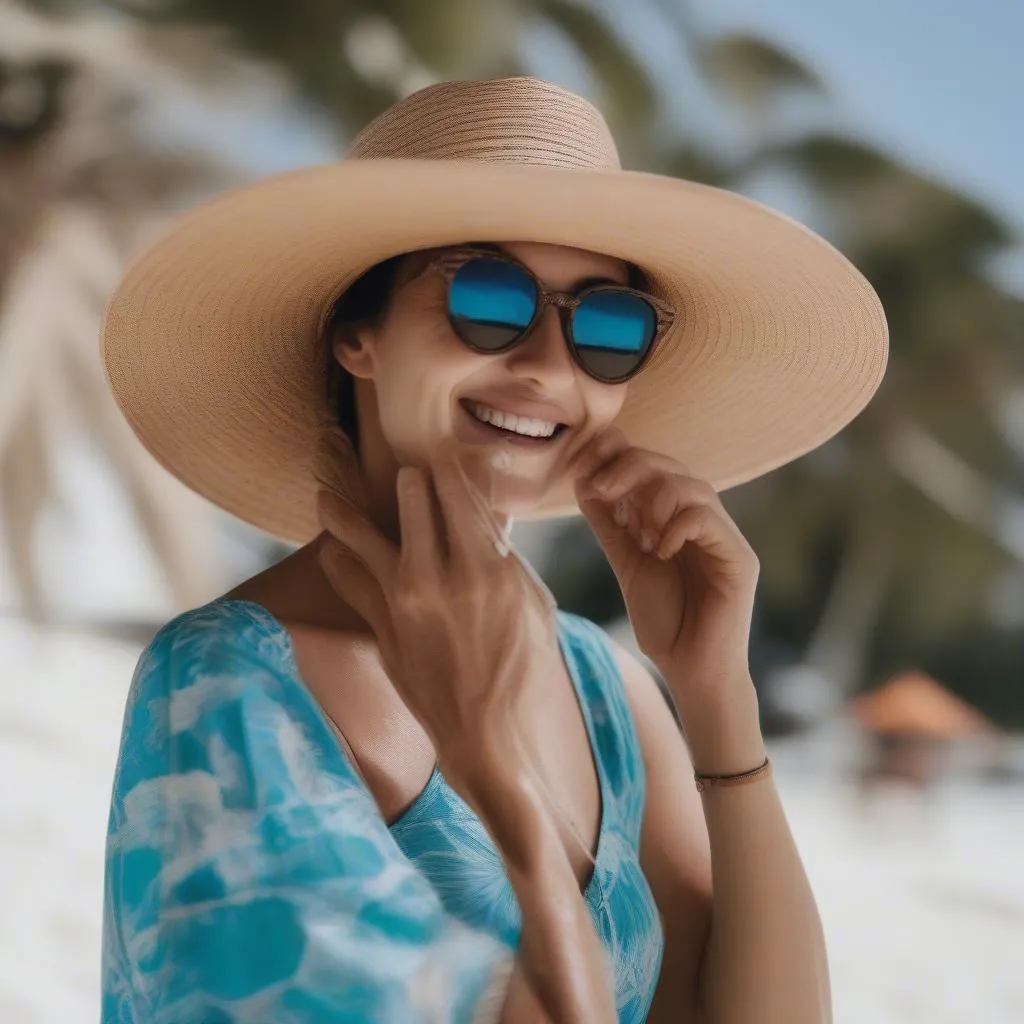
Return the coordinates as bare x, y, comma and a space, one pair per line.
396, 759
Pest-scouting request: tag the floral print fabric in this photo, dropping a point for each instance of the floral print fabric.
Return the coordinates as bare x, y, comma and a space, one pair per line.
250, 877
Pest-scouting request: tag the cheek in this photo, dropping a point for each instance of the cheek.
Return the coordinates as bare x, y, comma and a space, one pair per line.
415, 384
604, 402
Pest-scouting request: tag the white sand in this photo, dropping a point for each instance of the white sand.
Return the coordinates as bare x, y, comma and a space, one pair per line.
925, 920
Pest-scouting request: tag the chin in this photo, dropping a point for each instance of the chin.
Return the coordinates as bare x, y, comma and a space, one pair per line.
520, 497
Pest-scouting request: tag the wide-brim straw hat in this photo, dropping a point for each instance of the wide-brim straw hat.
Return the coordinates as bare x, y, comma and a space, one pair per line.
213, 342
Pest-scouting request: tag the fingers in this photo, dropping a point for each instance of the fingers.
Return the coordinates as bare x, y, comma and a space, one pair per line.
634, 467
664, 503
357, 533
656, 487
714, 533
643, 492
661, 498
465, 490
615, 524
608, 443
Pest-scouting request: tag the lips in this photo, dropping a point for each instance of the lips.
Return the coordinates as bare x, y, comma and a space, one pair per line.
518, 407
485, 433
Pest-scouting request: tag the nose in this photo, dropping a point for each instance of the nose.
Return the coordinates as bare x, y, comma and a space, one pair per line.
544, 353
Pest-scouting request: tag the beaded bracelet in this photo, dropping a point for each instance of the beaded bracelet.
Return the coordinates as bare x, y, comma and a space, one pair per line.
706, 781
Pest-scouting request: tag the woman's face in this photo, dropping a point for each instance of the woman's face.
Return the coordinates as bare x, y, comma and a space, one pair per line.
416, 381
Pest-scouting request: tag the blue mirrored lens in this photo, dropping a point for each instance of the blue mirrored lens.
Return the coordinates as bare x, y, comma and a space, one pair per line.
612, 332
491, 300
614, 321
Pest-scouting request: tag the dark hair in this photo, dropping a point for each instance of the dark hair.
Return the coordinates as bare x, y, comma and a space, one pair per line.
364, 302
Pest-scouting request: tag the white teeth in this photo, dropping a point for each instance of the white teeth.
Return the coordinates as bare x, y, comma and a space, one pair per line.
509, 421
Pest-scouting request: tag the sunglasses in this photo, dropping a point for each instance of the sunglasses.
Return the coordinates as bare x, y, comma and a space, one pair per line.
494, 303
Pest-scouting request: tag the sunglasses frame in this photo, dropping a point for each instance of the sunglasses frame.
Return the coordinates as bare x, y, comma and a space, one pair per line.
450, 263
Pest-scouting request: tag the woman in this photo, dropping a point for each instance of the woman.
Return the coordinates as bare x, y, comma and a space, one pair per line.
386, 779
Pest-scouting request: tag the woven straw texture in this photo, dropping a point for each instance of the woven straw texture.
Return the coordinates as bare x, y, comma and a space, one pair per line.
212, 343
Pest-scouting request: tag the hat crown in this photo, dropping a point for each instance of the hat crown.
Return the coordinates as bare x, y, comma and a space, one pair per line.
505, 120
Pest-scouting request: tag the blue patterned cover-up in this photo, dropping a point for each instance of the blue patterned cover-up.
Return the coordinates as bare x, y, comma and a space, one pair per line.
251, 878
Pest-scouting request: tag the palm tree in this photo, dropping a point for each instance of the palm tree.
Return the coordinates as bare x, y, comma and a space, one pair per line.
354, 59
856, 538
82, 185
916, 482
77, 224
860, 541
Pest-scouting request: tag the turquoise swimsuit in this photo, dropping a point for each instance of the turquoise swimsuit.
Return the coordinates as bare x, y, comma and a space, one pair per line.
250, 878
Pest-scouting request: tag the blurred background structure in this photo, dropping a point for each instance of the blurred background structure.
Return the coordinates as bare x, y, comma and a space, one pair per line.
895, 552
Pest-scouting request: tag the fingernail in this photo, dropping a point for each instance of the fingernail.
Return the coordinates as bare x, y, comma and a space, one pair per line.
502, 460
646, 540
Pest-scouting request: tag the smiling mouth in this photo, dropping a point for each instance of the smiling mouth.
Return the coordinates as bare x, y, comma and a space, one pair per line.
519, 429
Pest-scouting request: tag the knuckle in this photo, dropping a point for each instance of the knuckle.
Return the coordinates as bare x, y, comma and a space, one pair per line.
413, 599
696, 489
693, 516
666, 488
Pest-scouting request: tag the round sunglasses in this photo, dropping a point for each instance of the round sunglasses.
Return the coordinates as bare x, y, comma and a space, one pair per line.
494, 302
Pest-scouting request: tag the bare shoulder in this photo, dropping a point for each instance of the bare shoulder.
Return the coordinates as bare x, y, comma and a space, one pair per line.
296, 591
339, 662
632, 668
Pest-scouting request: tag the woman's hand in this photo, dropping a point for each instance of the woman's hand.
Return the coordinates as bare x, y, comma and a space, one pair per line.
686, 572
460, 626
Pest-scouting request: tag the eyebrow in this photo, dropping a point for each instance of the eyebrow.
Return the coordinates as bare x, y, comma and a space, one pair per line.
587, 282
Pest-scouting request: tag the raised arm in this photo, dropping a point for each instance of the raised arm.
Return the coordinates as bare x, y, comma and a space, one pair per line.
461, 628
743, 937
750, 947
562, 973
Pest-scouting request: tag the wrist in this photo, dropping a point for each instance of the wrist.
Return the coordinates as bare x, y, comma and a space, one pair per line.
517, 819
493, 780
723, 730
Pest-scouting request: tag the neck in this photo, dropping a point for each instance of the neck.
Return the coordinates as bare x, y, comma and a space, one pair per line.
379, 479
297, 591
382, 506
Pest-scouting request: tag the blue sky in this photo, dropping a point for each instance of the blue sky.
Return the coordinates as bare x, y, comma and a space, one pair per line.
940, 82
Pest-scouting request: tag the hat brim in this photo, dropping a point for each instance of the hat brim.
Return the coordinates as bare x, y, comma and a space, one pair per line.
211, 342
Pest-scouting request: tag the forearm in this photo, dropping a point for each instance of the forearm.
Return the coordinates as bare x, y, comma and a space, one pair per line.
765, 959
562, 965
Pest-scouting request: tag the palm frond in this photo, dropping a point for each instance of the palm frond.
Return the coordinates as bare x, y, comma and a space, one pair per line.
81, 190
